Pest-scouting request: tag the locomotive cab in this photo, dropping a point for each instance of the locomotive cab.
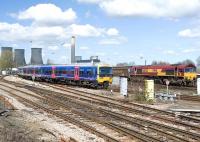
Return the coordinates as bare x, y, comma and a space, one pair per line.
190, 73
104, 77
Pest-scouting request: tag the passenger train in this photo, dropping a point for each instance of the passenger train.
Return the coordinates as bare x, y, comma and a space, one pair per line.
95, 76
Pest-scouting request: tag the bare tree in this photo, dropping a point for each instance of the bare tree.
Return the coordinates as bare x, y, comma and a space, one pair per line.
126, 64
122, 64
6, 60
131, 63
198, 61
186, 62
159, 63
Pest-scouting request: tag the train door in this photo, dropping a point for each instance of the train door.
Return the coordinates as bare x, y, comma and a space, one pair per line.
76, 73
181, 72
176, 72
53, 72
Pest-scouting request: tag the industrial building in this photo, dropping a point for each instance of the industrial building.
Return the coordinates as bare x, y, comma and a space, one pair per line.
93, 59
36, 56
19, 58
78, 58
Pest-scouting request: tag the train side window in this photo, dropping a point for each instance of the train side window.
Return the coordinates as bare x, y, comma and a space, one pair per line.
67, 72
71, 72
89, 73
64, 72
81, 72
60, 71
56, 72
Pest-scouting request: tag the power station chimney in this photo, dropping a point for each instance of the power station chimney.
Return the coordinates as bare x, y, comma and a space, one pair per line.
36, 56
73, 60
19, 59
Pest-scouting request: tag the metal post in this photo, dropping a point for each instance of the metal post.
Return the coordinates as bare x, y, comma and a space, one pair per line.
198, 86
167, 90
167, 84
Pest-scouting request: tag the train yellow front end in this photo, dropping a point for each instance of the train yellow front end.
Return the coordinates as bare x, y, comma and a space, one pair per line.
190, 75
104, 75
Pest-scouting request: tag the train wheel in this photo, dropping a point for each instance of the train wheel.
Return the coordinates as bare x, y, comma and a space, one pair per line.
105, 85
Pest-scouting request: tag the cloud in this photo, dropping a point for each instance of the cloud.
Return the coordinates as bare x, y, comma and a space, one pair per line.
109, 42
149, 8
100, 54
170, 52
190, 33
112, 32
54, 48
48, 14
41, 35
67, 45
88, 14
85, 30
84, 48
90, 1
117, 40
191, 50
12, 32
17, 32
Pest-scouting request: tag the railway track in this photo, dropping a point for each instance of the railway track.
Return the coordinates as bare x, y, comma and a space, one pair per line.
132, 107
189, 98
129, 105
67, 116
159, 128
118, 128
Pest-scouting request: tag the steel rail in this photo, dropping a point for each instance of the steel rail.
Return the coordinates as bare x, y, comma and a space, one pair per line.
67, 118
119, 129
148, 127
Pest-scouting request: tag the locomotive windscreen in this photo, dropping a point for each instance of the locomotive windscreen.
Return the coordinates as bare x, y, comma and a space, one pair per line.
105, 71
190, 69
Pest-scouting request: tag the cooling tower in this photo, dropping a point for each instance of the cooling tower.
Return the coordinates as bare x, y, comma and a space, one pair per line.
19, 59
36, 56
5, 49
73, 60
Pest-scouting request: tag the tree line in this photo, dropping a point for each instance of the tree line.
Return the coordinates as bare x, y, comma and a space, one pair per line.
6, 60
186, 62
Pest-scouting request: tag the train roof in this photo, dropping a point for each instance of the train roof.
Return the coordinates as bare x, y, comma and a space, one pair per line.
172, 66
71, 65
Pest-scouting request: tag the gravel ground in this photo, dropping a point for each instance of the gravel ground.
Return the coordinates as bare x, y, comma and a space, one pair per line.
27, 124
69, 130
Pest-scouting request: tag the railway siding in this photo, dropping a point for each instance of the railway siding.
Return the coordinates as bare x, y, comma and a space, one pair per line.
135, 136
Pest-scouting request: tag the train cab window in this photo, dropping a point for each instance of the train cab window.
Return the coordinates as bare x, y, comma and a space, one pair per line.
105, 71
190, 70
180, 70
